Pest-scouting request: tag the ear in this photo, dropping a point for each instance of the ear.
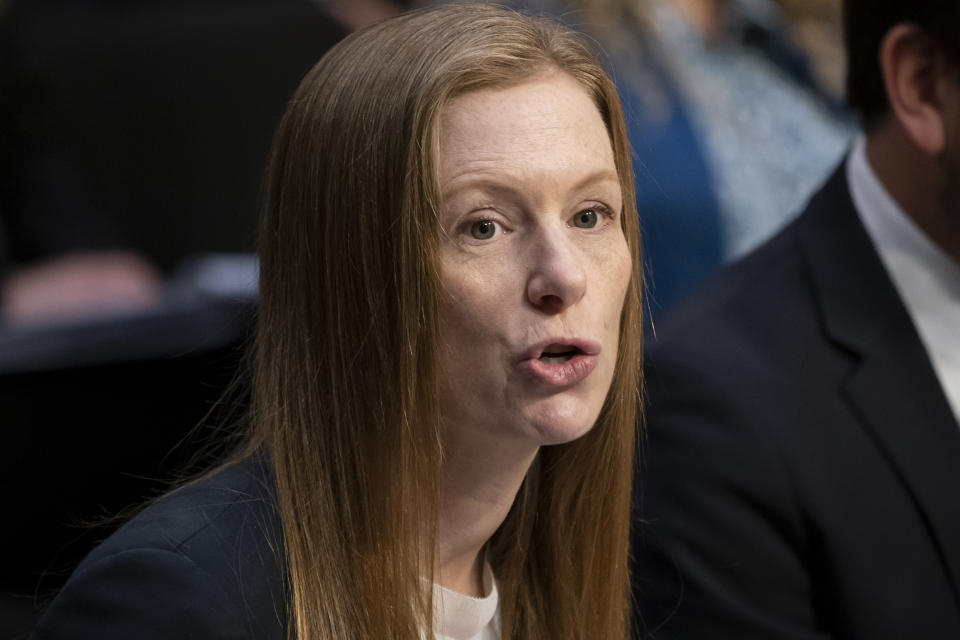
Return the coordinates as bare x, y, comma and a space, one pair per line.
912, 72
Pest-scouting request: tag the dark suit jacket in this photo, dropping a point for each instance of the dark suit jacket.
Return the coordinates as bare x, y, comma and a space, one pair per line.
803, 474
203, 562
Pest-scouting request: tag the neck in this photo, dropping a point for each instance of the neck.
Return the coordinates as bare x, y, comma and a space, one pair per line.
480, 481
919, 183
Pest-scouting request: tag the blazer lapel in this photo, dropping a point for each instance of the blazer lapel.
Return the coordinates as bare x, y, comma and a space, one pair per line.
894, 388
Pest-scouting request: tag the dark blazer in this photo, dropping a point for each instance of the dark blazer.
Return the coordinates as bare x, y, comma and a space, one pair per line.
203, 562
803, 467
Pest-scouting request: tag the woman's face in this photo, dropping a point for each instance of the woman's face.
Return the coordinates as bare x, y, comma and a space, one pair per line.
535, 265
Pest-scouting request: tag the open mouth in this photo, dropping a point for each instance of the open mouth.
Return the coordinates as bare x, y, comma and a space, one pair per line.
560, 364
558, 353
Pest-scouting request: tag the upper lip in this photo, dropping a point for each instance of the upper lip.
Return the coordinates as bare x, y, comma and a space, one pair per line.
588, 347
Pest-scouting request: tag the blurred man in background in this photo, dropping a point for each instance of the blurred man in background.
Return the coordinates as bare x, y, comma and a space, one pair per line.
804, 409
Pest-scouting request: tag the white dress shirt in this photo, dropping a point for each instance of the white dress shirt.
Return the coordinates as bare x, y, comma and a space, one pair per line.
926, 277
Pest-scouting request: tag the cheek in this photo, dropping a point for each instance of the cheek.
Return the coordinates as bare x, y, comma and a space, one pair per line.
472, 313
614, 268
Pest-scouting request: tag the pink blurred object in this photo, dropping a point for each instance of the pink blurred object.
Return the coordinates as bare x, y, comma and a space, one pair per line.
79, 286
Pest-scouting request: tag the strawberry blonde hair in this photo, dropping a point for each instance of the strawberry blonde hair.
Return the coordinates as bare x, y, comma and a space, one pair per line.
345, 396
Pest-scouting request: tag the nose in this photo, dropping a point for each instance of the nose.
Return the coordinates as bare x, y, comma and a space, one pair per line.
557, 278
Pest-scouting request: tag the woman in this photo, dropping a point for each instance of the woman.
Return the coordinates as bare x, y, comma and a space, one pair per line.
446, 368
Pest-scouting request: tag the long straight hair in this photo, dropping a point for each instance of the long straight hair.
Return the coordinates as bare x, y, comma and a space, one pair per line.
344, 386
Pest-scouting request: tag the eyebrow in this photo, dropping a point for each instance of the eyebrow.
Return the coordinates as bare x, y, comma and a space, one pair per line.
496, 185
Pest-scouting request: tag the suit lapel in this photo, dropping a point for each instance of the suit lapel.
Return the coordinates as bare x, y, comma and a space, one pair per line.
894, 388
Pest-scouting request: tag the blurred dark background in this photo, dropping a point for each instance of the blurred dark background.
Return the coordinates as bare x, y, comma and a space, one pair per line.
145, 125
133, 138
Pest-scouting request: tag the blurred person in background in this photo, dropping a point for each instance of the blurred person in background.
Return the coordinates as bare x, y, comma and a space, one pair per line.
804, 408
766, 130
730, 127
816, 26
446, 370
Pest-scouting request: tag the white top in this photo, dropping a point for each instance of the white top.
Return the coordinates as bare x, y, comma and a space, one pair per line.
460, 617
926, 277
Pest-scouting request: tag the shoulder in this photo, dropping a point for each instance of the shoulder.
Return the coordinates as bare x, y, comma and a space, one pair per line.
734, 378
738, 372
741, 315
215, 520
721, 363
759, 338
766, 306
202, 561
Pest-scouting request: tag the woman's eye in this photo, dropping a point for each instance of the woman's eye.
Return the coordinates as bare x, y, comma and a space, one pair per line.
483, 229
586, 219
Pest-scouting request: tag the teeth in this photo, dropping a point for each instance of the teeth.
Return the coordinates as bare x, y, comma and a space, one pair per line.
555, 359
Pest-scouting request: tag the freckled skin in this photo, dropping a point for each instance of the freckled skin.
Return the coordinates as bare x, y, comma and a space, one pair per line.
527, 158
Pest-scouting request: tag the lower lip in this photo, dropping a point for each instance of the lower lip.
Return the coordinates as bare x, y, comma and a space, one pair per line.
563, 374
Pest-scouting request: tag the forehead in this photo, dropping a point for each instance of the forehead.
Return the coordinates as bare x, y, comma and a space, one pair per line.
549, 119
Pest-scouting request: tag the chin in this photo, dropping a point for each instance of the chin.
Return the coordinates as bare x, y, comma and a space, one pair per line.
561, 420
